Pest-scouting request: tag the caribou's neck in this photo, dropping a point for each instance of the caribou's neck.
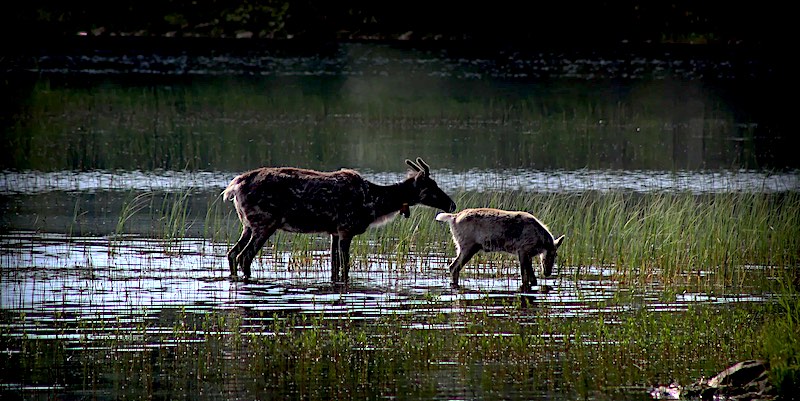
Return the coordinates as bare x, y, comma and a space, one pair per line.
390, 199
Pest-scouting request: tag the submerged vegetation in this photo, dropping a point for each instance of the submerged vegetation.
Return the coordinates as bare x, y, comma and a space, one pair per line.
526, 349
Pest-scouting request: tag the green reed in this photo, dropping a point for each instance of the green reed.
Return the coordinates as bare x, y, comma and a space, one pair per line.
221, 222
679, 239
780, 344
132, 205
174, 219
675, 238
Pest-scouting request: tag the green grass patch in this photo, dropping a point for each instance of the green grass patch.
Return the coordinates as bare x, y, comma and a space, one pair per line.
679, 239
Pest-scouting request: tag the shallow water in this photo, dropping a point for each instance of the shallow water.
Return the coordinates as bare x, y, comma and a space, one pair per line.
79, 291
49, 274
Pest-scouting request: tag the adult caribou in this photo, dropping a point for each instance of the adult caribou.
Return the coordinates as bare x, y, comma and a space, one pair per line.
341, 203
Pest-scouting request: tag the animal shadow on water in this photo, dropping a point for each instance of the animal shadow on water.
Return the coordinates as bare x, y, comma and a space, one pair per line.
495, 230
340, 203
528, 299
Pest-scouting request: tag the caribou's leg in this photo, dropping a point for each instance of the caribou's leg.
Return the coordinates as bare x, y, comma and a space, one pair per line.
344, 255
257, 240
340, 257
240, 244
335, 259
464, 255
526, 271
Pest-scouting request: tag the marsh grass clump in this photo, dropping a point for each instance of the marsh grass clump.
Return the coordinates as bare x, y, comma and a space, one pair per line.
132, 205
680, 240
780, 343
174, 219
675, 238
218, 226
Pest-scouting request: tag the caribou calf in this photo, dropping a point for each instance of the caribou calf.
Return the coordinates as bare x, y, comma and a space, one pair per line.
340, 203
494, 230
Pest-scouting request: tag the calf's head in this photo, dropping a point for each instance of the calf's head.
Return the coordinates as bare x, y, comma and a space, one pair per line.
429, 193
549, 257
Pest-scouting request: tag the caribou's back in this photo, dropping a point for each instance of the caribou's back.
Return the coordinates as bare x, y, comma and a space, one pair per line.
494, 230
302, 200
499, 230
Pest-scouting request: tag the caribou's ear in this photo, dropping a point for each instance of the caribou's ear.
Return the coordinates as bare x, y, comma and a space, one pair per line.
557, 242
424, 166
413, 166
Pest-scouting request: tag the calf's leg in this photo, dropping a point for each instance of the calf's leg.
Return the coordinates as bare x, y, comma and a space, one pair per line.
526, 270
464, 255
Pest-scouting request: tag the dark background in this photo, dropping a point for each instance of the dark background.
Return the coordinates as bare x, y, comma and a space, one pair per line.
543, 22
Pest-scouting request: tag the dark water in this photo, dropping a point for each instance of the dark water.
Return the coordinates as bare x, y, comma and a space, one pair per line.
136, 106
88, 128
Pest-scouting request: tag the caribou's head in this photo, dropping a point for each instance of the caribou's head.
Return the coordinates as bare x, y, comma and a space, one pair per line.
549, 257
428, 192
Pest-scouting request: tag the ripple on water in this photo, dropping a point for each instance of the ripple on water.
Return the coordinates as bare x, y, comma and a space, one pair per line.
33, 182
62, 281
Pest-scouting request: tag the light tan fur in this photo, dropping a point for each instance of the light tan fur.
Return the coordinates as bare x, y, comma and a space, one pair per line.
496, 230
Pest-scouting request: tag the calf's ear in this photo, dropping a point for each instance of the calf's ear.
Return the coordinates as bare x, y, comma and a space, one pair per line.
558, 240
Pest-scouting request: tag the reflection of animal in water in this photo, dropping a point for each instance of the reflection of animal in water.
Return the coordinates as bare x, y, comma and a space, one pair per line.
495, 230
340, 203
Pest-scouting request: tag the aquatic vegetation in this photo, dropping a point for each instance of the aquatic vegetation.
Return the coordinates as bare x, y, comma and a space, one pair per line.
780, 344
174, 213
678, 239
630, 334
216, 226
133, 204
316, 357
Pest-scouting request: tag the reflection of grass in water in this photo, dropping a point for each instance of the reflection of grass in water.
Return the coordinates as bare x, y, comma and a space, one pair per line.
525, 350
233, 124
